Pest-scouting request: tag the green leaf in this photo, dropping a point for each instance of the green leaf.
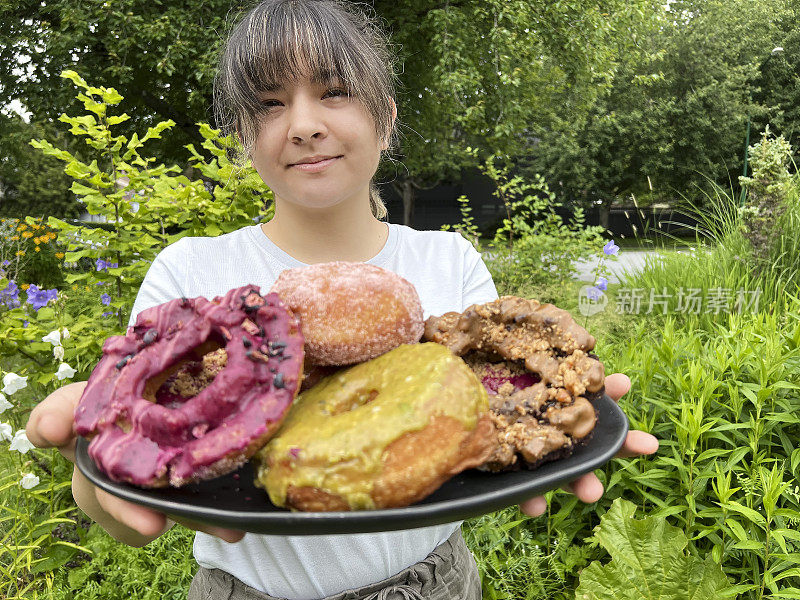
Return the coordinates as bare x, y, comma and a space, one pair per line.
45, 378
648, 561
751, 514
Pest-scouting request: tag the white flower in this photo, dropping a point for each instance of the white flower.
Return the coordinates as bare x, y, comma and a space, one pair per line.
65, 333
58, 352
54, 337
13, 383
20, 443
4, 404
5, 432
65, 372
29, 480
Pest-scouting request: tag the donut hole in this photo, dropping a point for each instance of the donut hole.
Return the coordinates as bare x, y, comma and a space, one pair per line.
353, 401
189, 376
500, 376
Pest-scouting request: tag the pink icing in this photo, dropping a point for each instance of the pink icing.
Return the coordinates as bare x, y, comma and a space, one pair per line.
140, 441
493, 382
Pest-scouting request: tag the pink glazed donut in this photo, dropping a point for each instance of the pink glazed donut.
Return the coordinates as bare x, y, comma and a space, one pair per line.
193, 389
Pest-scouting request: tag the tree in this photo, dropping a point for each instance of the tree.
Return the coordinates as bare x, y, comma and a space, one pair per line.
493, 75
481, 73
777, 84
31, 183
673, 117
159, 54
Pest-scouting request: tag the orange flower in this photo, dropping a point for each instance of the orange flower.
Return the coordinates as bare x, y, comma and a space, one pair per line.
59, 255
15, 238
20, 253
74, 287
24, 286
37, 249
27, 234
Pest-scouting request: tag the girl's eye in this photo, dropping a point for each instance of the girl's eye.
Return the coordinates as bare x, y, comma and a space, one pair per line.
336, 92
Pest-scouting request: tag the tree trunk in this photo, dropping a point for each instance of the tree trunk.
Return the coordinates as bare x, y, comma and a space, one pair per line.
408, 201
605, 211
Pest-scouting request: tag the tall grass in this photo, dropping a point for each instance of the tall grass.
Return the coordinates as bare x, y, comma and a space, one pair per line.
722, 258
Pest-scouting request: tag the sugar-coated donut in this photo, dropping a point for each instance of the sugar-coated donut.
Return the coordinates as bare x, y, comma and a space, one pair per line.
193, 389
536, 364
385, 433
350, 311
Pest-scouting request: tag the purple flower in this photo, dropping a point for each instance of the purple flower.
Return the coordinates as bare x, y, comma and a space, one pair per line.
103, 265
602, 283
10, 295
610, 249
25, 324
6, 263
105, 299
594, 294
40, 298
108, 314
100, 283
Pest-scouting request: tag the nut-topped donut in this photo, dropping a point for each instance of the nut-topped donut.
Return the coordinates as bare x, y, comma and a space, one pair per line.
535, 362
384, 433
193, 389
350, 311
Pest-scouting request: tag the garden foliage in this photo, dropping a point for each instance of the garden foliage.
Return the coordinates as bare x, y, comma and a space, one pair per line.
532, 245
648, 562
719, 391
51, 336
770, 190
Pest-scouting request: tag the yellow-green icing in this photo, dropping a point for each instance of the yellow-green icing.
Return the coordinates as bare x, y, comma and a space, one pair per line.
335, 434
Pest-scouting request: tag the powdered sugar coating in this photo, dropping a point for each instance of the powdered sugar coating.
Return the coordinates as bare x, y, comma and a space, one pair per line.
350, 311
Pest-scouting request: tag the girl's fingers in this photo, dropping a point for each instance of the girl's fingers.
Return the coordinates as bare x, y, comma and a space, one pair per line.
227, 535
148, 523
587, 488
50, 422
617, 385
638, 443
535, 507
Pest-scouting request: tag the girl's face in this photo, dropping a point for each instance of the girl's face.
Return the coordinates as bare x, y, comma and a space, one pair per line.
306, 121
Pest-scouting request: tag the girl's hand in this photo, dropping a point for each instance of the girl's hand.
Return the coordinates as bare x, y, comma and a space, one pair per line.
588, 487
51, 425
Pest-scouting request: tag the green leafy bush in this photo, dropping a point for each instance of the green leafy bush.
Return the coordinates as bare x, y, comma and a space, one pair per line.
162, 570
532, 245
770, 191
48, 337
648, 562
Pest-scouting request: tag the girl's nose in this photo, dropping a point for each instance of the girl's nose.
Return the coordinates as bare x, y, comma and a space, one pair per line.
305, 121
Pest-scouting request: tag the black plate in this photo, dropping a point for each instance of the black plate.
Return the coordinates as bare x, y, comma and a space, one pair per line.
233, 501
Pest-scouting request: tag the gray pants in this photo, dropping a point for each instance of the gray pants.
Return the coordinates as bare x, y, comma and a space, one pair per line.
447, 573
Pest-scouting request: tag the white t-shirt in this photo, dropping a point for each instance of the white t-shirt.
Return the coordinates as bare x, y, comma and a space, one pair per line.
448, 274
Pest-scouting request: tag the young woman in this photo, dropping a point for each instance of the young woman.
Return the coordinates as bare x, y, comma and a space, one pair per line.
307, 85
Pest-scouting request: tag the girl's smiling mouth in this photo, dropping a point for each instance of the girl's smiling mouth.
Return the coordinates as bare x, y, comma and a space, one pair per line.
314, 165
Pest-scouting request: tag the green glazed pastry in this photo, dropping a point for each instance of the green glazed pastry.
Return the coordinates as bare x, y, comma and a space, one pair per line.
386, 432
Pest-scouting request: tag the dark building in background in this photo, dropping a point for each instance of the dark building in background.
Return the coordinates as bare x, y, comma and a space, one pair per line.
439, 206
